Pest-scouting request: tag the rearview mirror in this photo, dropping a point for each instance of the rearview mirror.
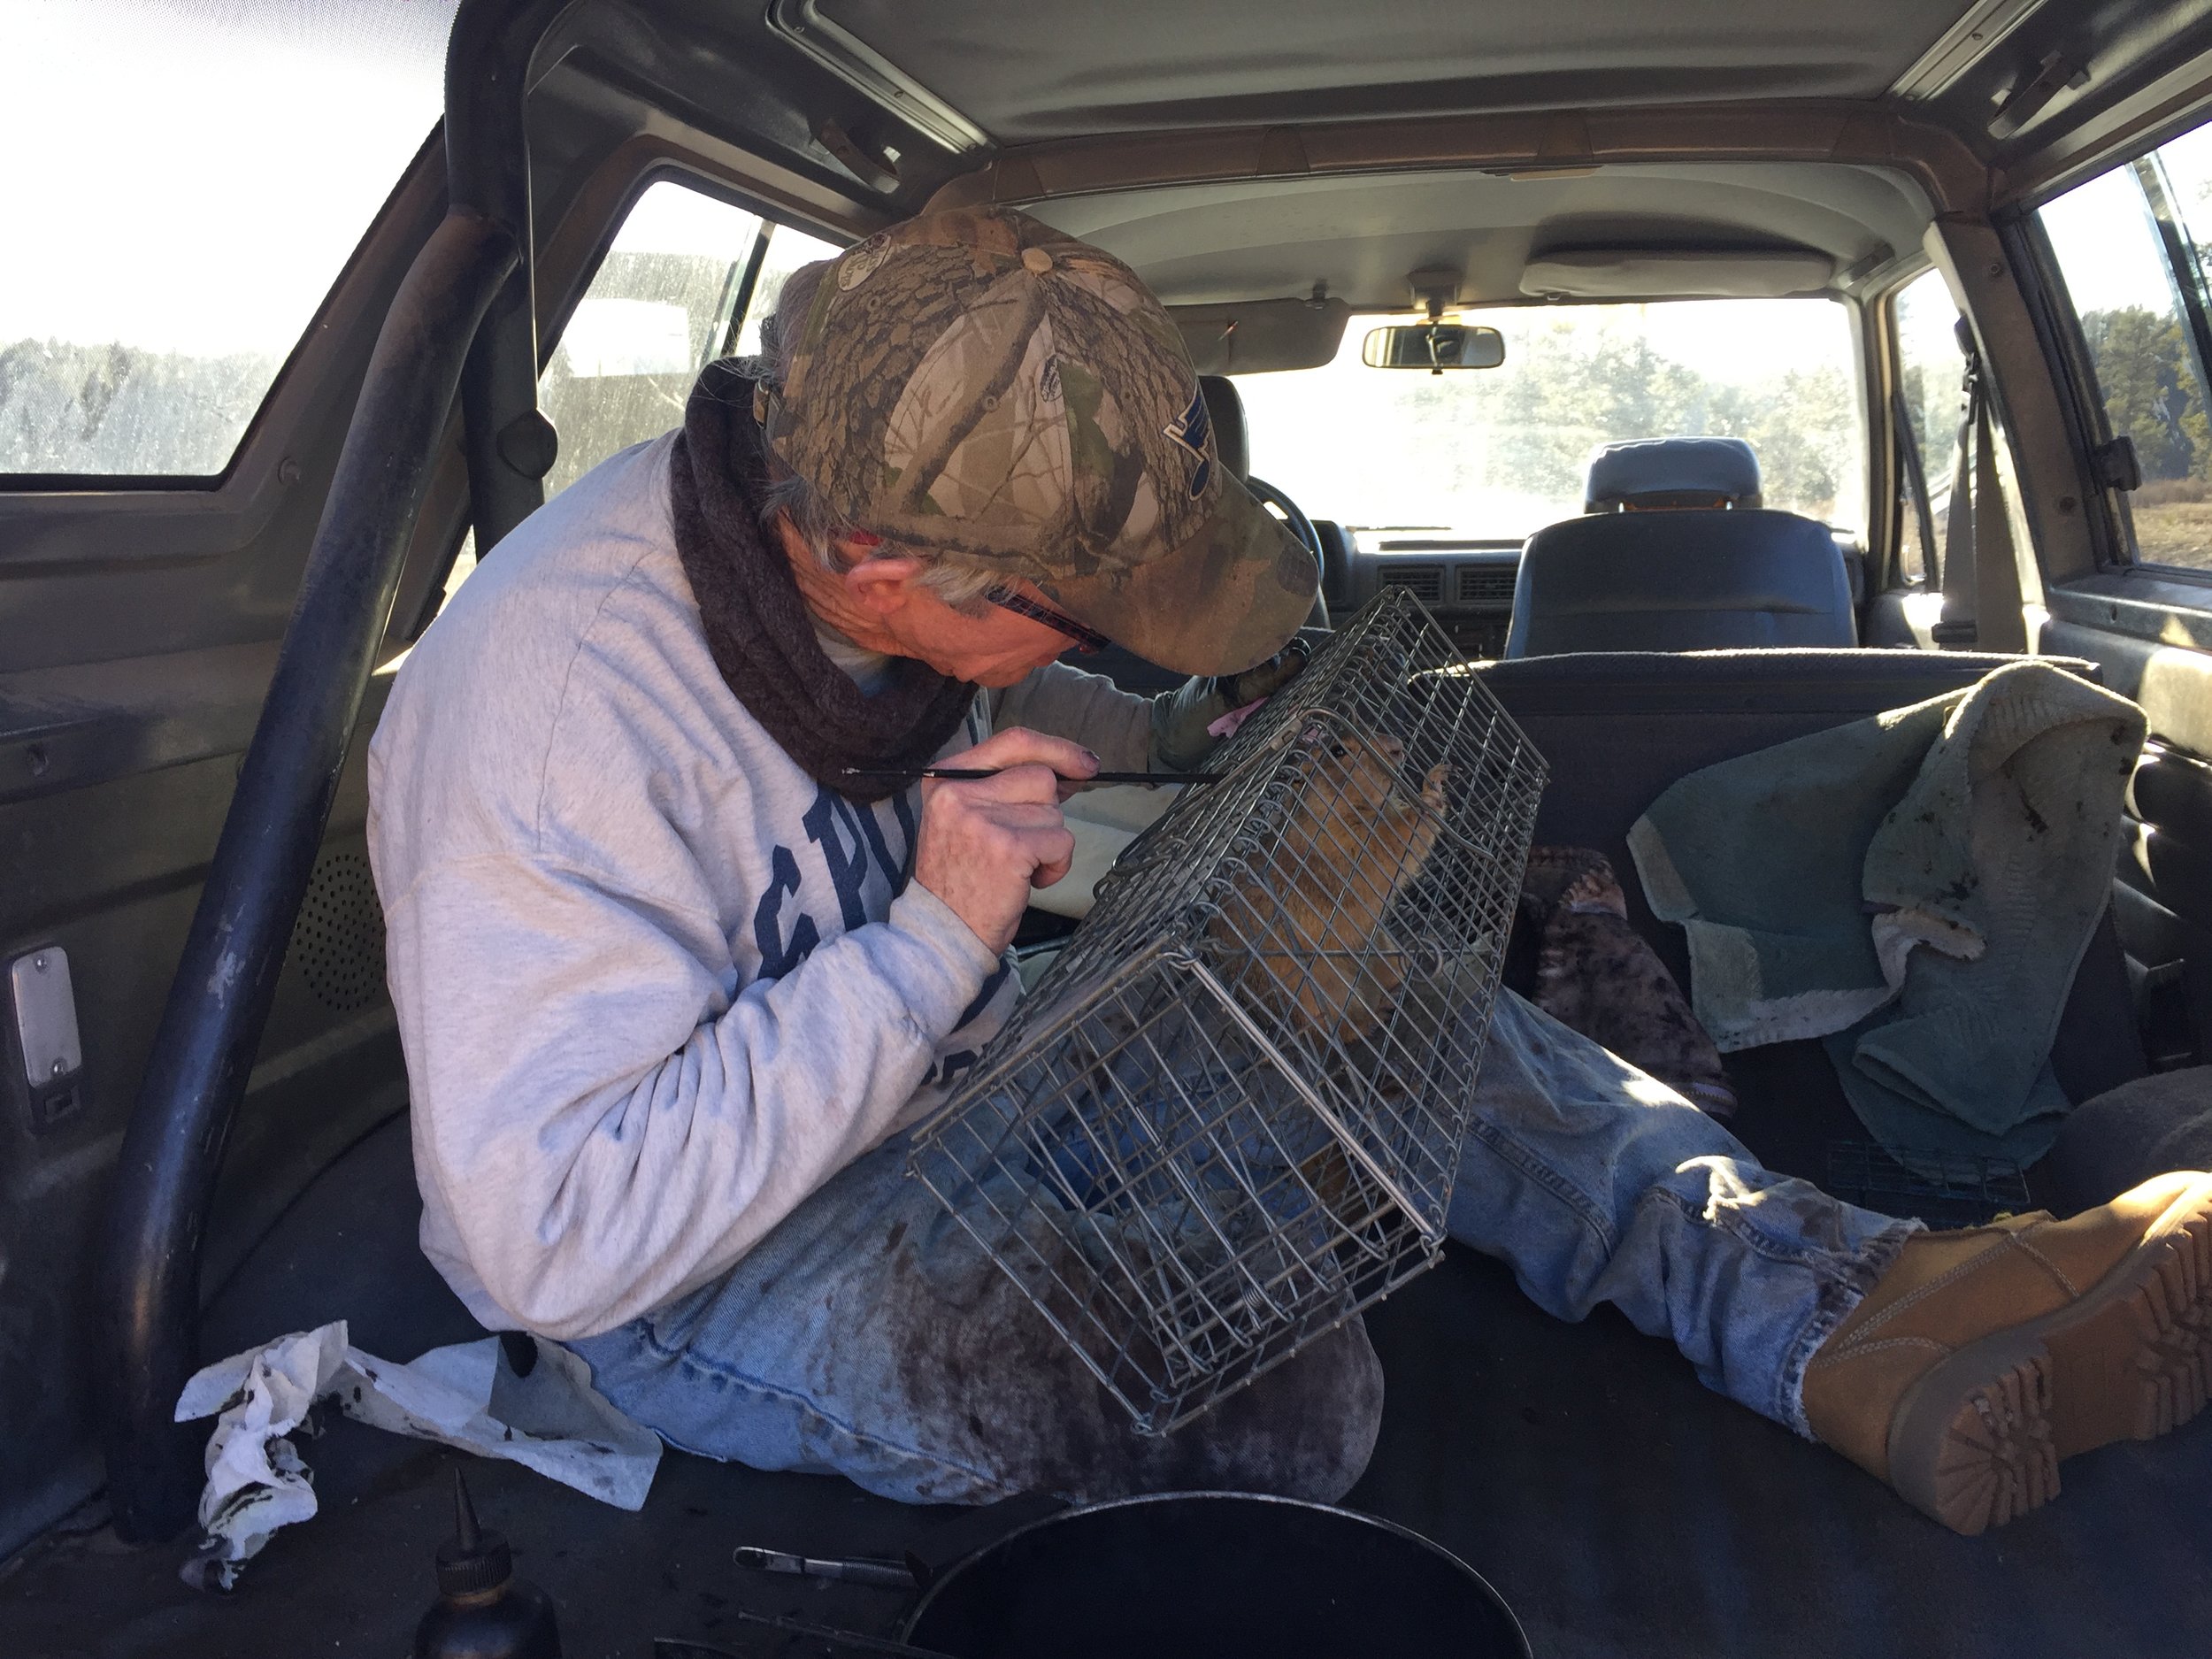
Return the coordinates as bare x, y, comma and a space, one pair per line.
1433, 345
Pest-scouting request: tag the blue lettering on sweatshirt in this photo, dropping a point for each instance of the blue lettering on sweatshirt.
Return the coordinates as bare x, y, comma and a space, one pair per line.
777, 958
831, 825
853, 842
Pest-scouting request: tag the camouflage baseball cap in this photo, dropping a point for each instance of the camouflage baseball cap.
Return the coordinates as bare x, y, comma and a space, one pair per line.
977, 384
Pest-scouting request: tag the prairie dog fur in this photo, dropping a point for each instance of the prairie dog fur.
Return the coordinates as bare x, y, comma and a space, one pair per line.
1313, 914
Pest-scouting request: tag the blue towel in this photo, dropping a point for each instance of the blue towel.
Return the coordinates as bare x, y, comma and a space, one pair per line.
1917, 888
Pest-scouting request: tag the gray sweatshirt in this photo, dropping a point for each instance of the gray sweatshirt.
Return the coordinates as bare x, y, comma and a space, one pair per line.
655, 985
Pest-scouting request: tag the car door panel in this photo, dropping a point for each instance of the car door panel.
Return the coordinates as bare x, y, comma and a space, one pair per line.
2119, 312
138, 621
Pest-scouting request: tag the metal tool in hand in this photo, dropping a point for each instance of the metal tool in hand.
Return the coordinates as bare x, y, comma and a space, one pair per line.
1229, 1116
970, 774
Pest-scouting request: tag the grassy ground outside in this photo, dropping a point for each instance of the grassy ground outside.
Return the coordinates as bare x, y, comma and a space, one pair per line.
2174, 532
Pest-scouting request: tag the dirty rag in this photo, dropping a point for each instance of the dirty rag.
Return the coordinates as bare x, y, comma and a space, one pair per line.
1577, 957
552, 1421
1917, 888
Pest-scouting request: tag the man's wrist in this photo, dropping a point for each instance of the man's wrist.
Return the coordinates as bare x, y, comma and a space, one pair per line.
923, 917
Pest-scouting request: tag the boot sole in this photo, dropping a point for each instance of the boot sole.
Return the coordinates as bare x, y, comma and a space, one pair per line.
1978, 1441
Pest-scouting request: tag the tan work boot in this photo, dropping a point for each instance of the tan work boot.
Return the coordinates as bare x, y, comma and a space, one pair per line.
1982, 1357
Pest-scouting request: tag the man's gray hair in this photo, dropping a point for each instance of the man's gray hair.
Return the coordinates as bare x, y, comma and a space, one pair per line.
799, 505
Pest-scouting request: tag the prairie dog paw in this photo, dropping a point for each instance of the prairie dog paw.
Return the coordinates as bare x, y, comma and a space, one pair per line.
1432, 787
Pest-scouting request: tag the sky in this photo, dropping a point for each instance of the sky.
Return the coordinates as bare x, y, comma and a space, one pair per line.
190, 175
669, 218
2106, 242
2107, 248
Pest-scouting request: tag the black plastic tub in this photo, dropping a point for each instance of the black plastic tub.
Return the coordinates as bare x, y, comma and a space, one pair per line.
1215, 1575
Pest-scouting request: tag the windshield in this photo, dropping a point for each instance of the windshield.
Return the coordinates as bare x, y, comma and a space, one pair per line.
1495, 454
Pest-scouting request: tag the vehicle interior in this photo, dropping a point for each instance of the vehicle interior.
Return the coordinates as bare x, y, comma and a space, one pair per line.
1846, 355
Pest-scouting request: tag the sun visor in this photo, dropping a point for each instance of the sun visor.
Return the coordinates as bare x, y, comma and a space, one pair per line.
1631, 273
1259, 335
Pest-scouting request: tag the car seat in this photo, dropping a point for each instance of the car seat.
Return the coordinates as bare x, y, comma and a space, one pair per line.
1647, 473
1674, 553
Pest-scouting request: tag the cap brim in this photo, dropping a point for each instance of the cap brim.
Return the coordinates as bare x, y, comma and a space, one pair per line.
1229, 597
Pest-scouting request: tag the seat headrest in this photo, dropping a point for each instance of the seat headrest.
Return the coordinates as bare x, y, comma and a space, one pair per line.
1673, 472
1226, 409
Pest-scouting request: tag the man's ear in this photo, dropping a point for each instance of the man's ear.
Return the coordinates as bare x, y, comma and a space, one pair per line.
880, 586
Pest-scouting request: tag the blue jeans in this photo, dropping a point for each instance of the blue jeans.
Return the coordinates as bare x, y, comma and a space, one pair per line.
868, 1336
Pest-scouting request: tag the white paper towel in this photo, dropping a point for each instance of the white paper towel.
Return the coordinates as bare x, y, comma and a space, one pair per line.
553, 1421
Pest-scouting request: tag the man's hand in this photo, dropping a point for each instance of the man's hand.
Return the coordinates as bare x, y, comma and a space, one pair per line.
983, 845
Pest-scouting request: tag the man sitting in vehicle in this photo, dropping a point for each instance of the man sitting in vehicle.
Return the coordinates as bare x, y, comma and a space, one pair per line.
676, 966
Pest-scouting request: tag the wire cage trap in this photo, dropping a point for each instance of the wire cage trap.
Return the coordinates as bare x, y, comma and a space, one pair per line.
1944, 1189
1229, 1116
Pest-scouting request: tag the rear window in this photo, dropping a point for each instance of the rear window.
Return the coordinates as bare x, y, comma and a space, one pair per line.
181, 185
1498, 453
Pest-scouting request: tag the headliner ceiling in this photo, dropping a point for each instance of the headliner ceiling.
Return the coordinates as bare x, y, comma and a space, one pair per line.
1024, 70
1251, 239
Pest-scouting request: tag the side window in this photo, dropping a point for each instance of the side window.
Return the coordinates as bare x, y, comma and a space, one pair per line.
180, 186
2135, 277
687, 280
1924, 325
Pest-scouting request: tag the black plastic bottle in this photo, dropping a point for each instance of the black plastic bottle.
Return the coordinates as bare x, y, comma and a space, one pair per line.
483, 1611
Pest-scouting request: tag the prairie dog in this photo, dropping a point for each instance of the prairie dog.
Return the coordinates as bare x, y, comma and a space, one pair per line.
1311, 920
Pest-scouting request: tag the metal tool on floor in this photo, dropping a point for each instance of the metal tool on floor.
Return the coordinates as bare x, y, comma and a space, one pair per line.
676, 1648
928, 1558
890, 1575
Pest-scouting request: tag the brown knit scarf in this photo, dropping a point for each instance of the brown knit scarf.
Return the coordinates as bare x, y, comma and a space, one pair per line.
759, 628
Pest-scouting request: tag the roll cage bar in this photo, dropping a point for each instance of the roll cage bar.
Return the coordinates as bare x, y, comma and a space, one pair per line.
463, 320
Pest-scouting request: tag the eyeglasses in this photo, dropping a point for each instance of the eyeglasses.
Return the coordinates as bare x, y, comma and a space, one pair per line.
1086, 639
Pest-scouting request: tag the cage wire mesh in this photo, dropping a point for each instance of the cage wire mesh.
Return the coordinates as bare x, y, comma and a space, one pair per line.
1229, 1116
1944, 1189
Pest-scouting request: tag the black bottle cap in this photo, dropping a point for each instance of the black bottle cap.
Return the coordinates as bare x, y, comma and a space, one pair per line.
474, 1558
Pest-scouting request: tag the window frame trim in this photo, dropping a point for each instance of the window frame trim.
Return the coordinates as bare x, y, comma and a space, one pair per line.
1898, 432
2188, 284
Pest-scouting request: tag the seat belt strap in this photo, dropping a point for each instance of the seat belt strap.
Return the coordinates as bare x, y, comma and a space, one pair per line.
1999, 623
1955, 627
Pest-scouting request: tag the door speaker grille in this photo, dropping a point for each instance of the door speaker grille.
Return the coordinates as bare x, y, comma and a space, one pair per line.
338, 942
